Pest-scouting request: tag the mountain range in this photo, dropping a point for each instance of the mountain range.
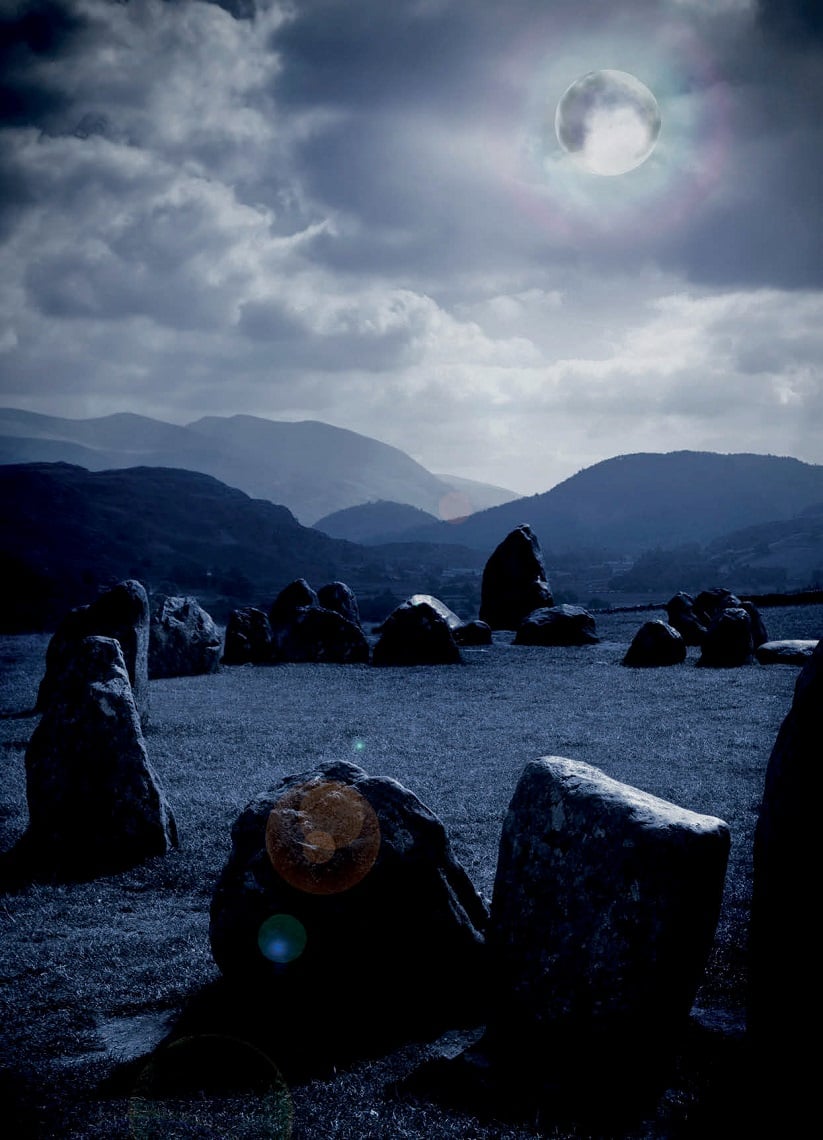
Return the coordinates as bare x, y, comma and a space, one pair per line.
310, 467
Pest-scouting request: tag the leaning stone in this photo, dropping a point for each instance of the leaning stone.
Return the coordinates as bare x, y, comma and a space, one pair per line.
183, 641
655, 643
343, 916
415, 635
759, 633
248, 637
728, 640
515, 581
785, 943
339, 597
122, 612
320, 635
682, 617
785, 652
604, 910
557, 625
95, 804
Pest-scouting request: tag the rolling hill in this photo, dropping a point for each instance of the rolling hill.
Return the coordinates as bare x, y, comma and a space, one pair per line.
310, 467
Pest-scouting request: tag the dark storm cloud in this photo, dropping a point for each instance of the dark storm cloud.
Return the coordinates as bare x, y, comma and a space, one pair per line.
30, 34
793, 19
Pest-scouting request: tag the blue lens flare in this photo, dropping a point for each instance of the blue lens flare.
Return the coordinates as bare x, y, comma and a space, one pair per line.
282, 938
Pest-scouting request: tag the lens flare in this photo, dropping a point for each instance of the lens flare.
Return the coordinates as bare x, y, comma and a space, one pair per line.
322, 837
282, 938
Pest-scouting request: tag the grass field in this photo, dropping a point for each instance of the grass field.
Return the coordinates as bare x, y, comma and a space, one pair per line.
93, 973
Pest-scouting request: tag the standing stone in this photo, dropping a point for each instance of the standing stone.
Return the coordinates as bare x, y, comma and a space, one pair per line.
759, 633
290, 602
463, 632
248, 637
416, 635
95, 804
557, 625
183, 640
682, 617
604, 910
728, 640
785, 942
655, 643
514, 581
709, 603
342, 916
122, 612
339, 597
321, 635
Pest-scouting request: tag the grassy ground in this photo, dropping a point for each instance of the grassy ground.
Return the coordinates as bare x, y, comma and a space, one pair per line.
91, 974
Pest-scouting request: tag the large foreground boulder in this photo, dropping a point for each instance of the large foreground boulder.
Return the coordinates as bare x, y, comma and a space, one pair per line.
655, 643
682, 616
121, 612
514, 581
184, 640
557, 625
343, 916
248, 637
95, 804
728, 641
604, 910
416, 634
785, 943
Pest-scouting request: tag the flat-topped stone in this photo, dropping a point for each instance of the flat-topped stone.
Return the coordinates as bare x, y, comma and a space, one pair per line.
790, 652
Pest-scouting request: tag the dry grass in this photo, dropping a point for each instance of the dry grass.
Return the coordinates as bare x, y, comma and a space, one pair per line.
80, 960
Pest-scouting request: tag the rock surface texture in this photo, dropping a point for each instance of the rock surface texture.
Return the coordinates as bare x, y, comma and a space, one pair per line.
682, 617
655, 643
604, 910
514, 581
342, 907
339, 597
416, 634
463, 632
183, 640
321, 635
95, 804
248, 637
557, 625
794, 652
785, 944
122, 612
728, 640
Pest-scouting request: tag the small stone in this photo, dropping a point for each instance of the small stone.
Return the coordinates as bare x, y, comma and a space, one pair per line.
655, 643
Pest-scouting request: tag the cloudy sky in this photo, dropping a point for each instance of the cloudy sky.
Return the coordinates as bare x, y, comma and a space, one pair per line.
358, 211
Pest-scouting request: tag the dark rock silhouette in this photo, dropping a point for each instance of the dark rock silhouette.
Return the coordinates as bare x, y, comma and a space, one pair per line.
784, 959
557, 625
416, 634
709, 603
759, 632
183, 640
248, 638
728, 641
318, 634
604, 910
343, 911
514, 581
463, 632
94, 800
655, 643
339, 597
121, 612
792, 652
297, 595
682, 617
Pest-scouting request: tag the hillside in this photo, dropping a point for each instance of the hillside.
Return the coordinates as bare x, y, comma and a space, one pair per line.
632, 503
374, 522
311, 467
65, 531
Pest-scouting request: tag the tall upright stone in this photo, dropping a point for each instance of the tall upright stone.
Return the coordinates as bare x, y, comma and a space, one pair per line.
785, 985
339, 597
605, 904
184, 640
121, 612
515, 581
95, 803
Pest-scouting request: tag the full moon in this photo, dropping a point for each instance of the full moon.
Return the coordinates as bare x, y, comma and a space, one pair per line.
608, 122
